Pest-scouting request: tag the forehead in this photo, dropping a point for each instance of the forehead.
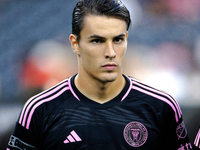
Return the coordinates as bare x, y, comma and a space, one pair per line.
95, 24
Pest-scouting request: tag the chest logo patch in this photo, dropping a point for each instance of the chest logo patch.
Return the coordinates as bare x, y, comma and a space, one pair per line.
135, 134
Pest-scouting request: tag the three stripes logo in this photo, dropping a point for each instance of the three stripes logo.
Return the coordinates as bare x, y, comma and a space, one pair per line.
73, 137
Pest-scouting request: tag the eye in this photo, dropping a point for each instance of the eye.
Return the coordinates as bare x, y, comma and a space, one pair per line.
118, 40
97, 41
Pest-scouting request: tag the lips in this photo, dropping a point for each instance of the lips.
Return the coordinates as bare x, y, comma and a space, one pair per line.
110, 67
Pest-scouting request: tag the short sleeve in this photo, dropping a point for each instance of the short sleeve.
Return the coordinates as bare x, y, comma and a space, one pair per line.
197, 141
21, 139
175, 135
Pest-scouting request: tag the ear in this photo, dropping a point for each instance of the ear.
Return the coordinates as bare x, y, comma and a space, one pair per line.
74, 43
126, 34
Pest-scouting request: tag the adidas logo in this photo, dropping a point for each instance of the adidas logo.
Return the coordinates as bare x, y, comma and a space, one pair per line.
73, 137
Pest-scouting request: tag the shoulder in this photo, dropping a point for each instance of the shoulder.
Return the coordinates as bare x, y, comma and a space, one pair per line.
197, 140
45, 101
155, 97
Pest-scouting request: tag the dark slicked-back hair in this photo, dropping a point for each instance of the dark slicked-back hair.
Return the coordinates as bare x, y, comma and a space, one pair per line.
110, 8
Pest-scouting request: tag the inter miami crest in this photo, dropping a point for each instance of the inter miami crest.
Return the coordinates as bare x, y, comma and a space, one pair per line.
135, 134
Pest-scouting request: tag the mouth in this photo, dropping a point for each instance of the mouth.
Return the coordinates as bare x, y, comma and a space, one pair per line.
109, 66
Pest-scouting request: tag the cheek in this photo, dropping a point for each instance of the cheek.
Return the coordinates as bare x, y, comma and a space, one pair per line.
121, 53
121, 56
89, 60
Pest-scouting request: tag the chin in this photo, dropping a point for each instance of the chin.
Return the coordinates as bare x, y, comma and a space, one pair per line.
110, 77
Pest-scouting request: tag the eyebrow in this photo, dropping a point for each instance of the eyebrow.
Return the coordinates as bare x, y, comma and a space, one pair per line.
100, 37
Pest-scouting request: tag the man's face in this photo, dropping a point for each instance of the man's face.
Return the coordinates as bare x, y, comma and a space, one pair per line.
101, 48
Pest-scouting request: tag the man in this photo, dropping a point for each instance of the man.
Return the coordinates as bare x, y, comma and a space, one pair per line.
100, 108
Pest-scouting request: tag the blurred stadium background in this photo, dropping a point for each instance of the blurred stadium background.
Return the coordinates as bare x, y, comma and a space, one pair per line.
163, 51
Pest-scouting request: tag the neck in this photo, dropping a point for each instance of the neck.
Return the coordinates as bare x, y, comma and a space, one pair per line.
98, 91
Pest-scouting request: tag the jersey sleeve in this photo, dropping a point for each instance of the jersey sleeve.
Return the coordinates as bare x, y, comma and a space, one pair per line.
26, 134
21, 139
175, 134
197, 141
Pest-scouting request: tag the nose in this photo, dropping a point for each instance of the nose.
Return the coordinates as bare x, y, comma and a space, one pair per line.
110, 52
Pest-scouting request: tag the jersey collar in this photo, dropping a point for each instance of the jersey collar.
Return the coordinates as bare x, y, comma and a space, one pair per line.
90, 103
